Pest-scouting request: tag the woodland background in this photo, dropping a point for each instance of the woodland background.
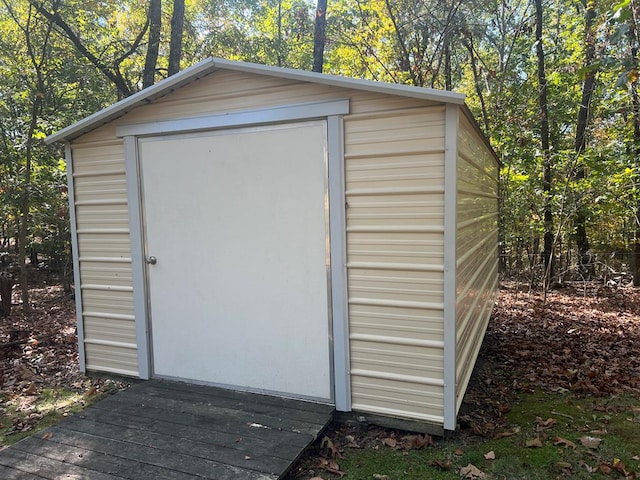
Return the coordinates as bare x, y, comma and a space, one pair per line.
553, 83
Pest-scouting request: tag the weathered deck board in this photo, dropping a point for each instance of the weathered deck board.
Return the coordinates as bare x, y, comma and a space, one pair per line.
173, 431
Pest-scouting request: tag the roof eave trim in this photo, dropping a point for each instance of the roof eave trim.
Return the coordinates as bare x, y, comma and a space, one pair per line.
345, 82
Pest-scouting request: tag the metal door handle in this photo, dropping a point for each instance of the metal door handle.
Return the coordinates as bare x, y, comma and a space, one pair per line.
151, 260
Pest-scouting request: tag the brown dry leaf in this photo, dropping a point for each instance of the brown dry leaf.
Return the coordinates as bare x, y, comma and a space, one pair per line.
566, 466
327, 445
47, 436
564, 442
458, 452
590, 442
619, 466
471, 472
27, 403
490, 455
441, 465
547, 424
605, 469
330, 466
510, 433
586, 466
535, 443
32, 389
390, 442
417, 442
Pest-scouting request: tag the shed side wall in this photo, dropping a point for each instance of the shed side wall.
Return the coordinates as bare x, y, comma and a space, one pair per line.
394, 191
476, 248
104, 253
395, 212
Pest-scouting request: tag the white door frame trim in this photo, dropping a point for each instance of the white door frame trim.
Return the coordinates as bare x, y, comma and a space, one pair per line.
332, 112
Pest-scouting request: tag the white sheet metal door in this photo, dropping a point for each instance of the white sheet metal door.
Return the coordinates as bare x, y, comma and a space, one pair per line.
237, 221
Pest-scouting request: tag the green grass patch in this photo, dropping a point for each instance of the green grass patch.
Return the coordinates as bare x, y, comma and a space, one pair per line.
550, 436
25, 414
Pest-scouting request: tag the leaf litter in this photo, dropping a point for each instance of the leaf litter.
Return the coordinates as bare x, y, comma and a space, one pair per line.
583, 340
38, 351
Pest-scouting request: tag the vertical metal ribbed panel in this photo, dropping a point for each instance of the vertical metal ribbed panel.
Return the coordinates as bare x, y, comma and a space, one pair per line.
394, 157
104, 251
476, 248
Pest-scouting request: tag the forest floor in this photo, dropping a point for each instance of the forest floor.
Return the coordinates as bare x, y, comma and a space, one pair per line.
40, 382
555, 394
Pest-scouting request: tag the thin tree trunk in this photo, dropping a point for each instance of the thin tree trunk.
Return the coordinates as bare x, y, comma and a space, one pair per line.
405, 59
319, 36
26, 203
177, 32
585, 263
635, 249
279, 43
547, 253
155, 24
448, 81
477, 82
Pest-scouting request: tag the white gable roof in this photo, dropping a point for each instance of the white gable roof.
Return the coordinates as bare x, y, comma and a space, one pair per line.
211, 65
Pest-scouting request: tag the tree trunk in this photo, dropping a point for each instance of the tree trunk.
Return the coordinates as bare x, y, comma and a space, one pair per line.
635, 249
634, 41
26, 203
279, 40
319, 35
155, 24
448, 81
585, 261
477, 81
547, 253
177, 31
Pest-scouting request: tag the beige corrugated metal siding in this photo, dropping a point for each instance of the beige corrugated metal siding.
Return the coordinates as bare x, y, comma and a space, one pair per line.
394, 154
476, 248
104, 251
395, 210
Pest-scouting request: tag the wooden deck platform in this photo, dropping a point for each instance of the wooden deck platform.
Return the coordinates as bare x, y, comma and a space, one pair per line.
171, 431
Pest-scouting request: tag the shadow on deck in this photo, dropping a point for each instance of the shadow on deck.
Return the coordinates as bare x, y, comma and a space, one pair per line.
166, 430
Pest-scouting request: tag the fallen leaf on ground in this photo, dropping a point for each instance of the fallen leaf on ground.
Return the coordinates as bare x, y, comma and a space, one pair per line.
377, 476
471, 472
441, 464
417, 442
547, 424
490, 455
586, 466
564, 442
390, 442
535, 443
590, 442
328, 445
605, 469
331, 466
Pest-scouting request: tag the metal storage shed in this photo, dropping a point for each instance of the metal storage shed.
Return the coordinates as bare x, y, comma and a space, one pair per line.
282, 231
